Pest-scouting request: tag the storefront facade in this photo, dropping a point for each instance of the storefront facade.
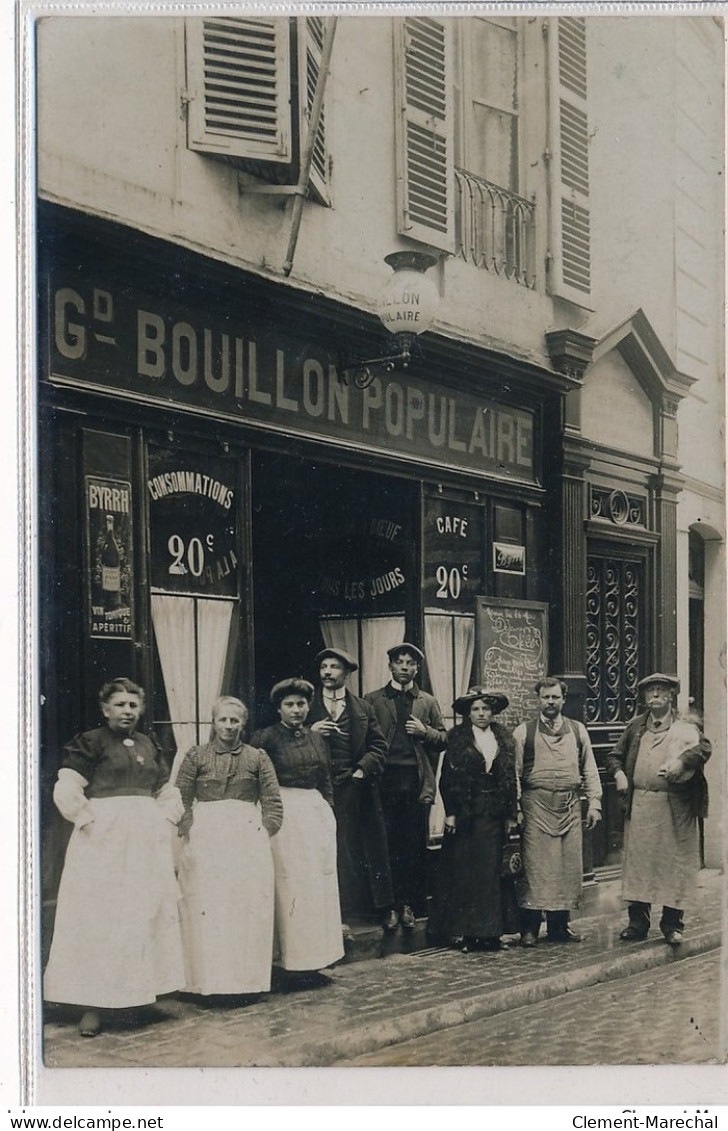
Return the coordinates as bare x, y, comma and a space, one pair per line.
217, 503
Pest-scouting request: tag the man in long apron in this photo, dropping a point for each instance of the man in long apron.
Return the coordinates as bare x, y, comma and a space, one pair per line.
657, 767
554, 763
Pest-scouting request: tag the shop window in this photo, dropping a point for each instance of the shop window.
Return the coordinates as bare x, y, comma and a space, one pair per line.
193, 638
250, 89
460, 145
509, 551
193, 507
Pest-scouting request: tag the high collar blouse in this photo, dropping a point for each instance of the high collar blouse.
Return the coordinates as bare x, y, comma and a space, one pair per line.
116, 765
215, 773
300, 757
486, 743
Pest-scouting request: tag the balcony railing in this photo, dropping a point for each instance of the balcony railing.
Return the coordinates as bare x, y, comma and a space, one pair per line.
495, 228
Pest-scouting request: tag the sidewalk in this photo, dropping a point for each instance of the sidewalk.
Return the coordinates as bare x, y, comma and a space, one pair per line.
376, 1002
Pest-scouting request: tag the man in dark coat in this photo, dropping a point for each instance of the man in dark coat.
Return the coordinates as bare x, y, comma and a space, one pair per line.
415, 733
657, 767
358, 753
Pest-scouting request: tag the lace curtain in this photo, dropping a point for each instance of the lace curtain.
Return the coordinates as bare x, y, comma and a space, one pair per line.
173, 619
367, 641
449, 646
213, 634
192, 672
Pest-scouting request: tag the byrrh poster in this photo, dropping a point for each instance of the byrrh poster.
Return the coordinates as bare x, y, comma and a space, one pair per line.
109, 562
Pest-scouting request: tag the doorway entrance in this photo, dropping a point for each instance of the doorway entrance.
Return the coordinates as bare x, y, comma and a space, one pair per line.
334, 563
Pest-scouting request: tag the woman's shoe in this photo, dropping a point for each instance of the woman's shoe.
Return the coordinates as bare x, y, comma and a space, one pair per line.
407, 918
391, 921
90, 1023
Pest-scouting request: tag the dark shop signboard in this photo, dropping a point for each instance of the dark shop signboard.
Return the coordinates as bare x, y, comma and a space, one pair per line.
109, 558
192, 523
151, 349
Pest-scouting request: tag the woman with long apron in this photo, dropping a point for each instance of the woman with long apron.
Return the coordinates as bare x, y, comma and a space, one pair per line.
232, 806
308, 915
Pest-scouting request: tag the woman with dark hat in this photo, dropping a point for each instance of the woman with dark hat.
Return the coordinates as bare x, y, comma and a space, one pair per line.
307, 912
479, 791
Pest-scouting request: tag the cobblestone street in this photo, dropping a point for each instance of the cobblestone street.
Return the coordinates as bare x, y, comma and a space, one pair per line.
663, 1016
409, 1001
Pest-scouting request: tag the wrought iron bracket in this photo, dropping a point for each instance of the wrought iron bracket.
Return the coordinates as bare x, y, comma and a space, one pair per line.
363, 373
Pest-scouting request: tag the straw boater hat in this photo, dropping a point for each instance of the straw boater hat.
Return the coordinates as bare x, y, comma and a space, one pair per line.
659, 677
496, 700
295, 686
338, 654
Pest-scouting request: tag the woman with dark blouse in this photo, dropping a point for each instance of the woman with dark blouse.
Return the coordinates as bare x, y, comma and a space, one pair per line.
116, 941
479, 791
308, 916
232, 805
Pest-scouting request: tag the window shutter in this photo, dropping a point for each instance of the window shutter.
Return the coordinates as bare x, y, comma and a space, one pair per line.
310, 51
238, 86
423, 91
570, 265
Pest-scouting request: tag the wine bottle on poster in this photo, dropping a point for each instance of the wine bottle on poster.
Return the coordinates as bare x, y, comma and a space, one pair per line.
110, 567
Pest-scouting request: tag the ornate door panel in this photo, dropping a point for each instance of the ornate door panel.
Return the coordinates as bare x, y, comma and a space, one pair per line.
615, 635
617, 642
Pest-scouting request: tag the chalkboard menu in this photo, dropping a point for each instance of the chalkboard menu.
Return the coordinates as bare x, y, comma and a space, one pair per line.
511, 652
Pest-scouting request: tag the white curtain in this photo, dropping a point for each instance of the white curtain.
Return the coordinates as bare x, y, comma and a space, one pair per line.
378, 634
368, 638
464, 630
449, 646
174, 629
213, 634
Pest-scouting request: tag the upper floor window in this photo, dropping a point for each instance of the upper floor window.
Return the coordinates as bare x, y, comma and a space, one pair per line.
251, 85
460, 86
487, 138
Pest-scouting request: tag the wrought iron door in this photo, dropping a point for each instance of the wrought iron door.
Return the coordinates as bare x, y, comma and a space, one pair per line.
615, 635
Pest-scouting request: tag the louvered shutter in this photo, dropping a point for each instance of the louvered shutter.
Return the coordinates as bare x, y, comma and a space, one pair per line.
238, 86
310, 50
570, 265
425, 173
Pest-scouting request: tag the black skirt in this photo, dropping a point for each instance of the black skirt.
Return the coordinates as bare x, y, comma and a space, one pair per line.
470, 883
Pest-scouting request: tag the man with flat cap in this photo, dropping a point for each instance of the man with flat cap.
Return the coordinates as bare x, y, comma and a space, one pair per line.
415, 734
657, 767
554, 763
358, 754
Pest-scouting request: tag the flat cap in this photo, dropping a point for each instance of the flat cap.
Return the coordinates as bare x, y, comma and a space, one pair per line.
338, 654
405, 646
496, 700
659, 677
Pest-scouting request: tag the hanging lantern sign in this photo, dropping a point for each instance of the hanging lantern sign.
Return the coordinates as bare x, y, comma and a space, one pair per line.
408, 303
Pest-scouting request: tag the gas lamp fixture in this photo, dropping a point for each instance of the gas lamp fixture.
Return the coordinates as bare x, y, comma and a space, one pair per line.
406, 307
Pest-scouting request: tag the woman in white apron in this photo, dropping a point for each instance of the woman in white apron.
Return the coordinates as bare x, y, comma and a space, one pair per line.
308, 916
232, 806
116, 940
